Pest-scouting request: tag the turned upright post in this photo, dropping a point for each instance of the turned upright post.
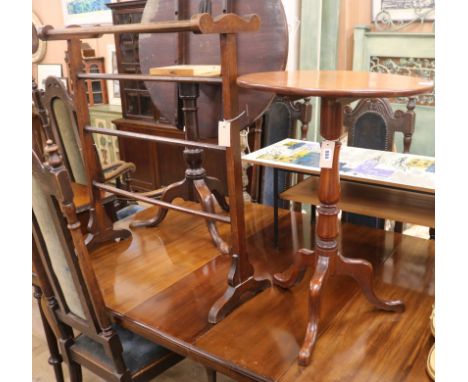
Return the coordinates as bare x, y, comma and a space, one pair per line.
196, 185
325, 258
241, 282
100, 228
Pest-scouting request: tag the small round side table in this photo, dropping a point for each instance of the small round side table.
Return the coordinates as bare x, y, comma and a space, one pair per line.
335, 88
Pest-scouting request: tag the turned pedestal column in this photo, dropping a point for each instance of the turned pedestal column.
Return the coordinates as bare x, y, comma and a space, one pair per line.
325, 259
196, 185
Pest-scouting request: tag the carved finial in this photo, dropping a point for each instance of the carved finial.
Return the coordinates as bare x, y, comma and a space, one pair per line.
411, 104
52, 154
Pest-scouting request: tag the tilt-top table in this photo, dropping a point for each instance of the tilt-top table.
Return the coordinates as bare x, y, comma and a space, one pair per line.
335, 88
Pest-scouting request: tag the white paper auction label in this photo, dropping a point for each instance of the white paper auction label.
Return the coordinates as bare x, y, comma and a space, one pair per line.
224, 133
327, 150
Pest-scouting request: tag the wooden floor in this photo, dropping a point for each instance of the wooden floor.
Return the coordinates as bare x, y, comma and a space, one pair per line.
163, 281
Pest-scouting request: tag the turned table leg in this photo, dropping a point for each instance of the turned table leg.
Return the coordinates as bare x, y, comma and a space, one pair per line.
325, 259
315, 288
241, 282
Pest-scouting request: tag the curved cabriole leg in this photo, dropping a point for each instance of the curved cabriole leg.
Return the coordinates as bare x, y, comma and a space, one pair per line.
316, 283
215, 187
237, 292
362, 272
176, 190
207, 202
295, 274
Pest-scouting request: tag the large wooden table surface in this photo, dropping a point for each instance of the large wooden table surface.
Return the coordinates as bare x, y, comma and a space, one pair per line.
163, 282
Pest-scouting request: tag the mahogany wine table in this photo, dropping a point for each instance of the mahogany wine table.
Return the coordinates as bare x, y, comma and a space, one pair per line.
162, 283
335, 88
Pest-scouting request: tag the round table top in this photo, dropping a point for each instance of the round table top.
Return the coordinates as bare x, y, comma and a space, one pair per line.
350, 84
270, 43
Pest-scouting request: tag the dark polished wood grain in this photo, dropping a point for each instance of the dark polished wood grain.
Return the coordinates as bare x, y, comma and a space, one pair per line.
270, 43
195, 185
162, 284
312, 83
171, 251
75, 305
241, 284
335, 88
166, 293
379, 346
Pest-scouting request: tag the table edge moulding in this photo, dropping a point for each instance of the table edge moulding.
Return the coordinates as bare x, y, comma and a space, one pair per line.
310, 83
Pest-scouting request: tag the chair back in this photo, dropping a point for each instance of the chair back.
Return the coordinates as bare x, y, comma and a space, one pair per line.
278, 125
60, 125
63, 254
372, 124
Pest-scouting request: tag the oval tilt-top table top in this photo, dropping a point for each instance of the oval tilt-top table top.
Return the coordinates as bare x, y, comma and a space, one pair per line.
308, 83
264, 50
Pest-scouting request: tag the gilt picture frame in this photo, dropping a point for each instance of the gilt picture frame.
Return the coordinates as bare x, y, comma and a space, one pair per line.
41, 50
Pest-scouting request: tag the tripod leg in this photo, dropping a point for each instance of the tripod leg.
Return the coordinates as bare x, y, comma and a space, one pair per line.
214, 185
295, 273
362, 272
207, 202
316, 283
175, 190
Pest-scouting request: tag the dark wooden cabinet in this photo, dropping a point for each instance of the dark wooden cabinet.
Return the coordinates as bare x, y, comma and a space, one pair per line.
136, 101
157, 164
96, 89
